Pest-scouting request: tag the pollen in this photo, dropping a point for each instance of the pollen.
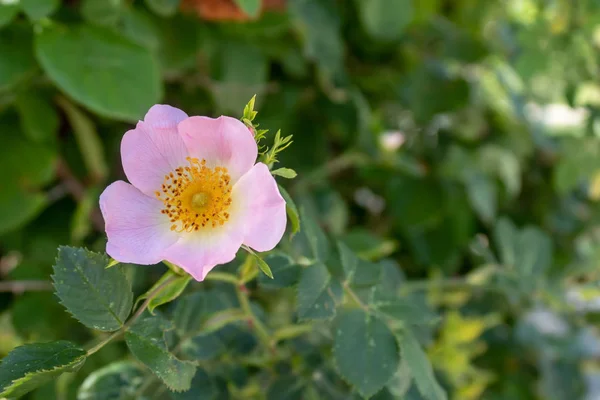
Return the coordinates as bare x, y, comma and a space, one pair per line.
195, 196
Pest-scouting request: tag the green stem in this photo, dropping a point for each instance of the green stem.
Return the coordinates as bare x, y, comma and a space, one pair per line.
222, 277
261, 330
355, 297
138, 313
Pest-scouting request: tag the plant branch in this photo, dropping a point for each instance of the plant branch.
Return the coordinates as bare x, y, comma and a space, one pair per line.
261, 330
25, 286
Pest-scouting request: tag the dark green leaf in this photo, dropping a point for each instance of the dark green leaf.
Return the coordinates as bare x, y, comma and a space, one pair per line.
38, 9
420, 367
7, 13
102, 12
126, 77
365, 351
17, 62
117, 381
29, 366
318, 293
285, 272
349, 261
146, 341
39, 119
203, 388
98, 297
291, 210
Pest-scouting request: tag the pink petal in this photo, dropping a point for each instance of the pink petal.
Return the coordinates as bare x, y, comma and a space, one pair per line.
261, 208
199, 252
137, 231
153, 148
224, 142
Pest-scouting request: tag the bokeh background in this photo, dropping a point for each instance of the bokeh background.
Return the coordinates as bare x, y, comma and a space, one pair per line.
458, 140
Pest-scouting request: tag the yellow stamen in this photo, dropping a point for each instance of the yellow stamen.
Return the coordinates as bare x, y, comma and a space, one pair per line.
196, 196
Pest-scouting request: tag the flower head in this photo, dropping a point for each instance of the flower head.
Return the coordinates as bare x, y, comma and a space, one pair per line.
196, 194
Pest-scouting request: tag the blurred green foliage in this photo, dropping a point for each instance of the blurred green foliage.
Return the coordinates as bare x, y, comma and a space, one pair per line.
452, 144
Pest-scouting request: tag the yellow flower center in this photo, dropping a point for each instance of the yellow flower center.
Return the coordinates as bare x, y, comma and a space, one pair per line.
196, 196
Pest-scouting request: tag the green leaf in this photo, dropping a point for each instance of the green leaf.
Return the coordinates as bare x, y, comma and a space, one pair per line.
317, 293
18, 206
291, 210
264, 267
29, 366
102, 12
17, 62
249, 113
349, 261
316, 238
126, 76
146, 341
365, 351
385, 19
203, 388
7, 13
483, 194
87, 138
250, 7
98, 297
38, 9
117, 381
285, 272
39, 119
287, 173
164, 8
169, 292
420, 367
406, 310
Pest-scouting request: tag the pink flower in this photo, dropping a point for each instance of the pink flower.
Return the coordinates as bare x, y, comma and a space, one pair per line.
196, 194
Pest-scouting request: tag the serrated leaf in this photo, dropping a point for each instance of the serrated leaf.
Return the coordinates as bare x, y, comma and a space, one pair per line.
285, 272
167, 293
249, 7
126, 76
420, 367
98, 297
29, 366
146, 341
291, 210
117, 381
317, 293
287, 173
203, 388
406, 310
349, 261
365, 351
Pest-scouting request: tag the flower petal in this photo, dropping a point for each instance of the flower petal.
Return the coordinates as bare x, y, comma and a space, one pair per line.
199, 252
137, 231
224, 142
153, 148
261, 208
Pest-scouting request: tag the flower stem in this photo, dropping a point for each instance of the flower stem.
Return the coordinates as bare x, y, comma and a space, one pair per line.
138, 313
222, 277
261, 330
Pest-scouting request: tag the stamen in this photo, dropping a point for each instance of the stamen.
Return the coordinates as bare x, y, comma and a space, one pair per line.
196, 196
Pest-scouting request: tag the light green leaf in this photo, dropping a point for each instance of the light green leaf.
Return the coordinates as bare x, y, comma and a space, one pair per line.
287, 173
29, 366
291, 210
146, 341
7, 13
39, 119
365, 351
164, 8
98, 297
38, 9
126, 76
169, 292
285, 272
385, 19
317, 293
250, 7
117, 381
420, 367
102, 12
264, 267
